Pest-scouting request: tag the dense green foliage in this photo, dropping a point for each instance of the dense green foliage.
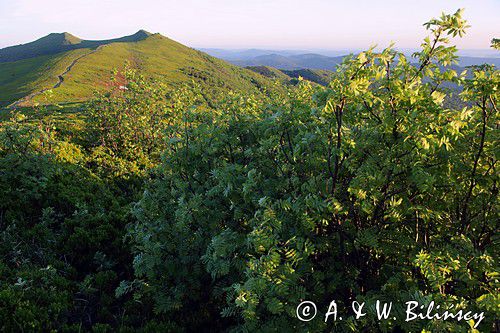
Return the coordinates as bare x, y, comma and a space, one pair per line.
368, 189
62, 230
202, 208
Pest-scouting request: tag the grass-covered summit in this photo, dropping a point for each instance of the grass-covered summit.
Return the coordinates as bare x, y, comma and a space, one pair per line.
74, 68
60, 42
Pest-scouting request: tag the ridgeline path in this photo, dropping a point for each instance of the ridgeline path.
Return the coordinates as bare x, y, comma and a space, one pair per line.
60, 79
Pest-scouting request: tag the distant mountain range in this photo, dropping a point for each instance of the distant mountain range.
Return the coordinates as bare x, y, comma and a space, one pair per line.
245, 54
470, 61
292, 60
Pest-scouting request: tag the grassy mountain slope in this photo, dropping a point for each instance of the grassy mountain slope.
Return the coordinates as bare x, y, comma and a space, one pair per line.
91, 69
20, 78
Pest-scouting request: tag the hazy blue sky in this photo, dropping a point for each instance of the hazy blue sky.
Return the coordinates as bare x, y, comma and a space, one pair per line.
292, 24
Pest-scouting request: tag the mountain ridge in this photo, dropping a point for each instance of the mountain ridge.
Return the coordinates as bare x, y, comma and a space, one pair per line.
54, 43
290, 60
83, 67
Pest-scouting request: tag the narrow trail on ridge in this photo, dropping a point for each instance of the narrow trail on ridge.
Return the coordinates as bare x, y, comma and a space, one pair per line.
60, 79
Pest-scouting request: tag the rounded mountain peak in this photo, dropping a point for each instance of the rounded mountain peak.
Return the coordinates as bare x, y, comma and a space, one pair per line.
143, 33
63, 38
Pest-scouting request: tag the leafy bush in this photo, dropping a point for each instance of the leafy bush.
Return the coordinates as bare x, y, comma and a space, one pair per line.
61, 229
367, 189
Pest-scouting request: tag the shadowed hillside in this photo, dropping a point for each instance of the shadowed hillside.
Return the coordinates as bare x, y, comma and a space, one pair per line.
60, 42
319, 76
270, 72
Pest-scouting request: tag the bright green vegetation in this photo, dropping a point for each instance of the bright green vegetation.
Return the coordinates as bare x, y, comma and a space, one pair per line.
155, 56
198, 208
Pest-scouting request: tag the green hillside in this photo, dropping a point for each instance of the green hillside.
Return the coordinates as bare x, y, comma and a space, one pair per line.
75, 74
319, 76
270, 72
20, 78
